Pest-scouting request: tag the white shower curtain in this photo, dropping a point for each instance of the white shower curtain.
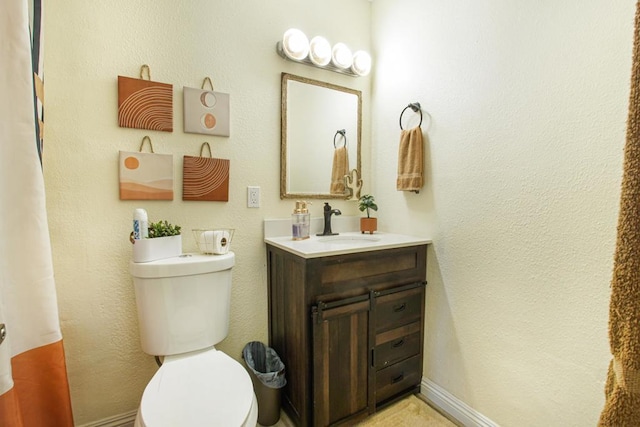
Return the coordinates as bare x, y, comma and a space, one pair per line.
34, 389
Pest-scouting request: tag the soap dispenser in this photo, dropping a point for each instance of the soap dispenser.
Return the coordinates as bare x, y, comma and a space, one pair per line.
300, 221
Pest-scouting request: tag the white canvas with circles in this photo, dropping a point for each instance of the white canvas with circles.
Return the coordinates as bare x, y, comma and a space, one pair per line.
206, 112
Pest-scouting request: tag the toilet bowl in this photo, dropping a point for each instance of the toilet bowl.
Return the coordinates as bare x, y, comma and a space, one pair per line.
183, 311
207, 388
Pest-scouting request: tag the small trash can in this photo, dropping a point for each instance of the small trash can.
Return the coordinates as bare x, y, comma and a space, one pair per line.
267, 374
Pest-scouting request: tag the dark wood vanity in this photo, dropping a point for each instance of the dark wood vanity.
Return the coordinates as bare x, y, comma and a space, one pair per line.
349, 329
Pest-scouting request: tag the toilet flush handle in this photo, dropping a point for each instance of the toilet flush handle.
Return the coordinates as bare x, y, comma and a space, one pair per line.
3, 332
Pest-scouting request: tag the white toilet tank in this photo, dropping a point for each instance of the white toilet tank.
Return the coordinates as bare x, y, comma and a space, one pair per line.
183, 302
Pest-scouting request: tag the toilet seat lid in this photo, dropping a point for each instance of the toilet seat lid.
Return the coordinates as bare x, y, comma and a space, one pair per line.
207, 388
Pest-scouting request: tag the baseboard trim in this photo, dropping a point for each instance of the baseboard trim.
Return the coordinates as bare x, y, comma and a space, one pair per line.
454, 407
123, 420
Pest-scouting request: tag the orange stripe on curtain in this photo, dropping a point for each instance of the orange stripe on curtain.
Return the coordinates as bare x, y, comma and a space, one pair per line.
10, 409
40, 395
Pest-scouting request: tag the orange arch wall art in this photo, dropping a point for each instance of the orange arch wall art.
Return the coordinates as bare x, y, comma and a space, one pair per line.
205, 179
143, 104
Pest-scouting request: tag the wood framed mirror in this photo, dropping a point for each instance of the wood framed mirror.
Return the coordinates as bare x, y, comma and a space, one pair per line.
313, 115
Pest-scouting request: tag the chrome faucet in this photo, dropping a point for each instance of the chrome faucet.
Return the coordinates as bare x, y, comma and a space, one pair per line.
327, 220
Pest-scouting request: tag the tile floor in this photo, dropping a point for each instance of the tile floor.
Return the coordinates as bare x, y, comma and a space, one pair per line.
286, 422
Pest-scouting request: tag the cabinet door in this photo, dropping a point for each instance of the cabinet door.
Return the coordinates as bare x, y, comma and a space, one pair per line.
341, 360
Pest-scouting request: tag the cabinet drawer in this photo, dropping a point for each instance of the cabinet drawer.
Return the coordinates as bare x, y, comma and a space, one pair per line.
398, 377
396, 345
399, 308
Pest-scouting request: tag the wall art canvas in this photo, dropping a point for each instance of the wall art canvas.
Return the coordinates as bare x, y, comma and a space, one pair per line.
205, 179
146, 176
206, 112
143, 104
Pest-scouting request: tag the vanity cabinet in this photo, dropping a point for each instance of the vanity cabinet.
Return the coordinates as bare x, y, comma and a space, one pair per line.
349, 329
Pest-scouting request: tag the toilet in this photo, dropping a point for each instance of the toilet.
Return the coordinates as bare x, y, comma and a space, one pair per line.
183, 312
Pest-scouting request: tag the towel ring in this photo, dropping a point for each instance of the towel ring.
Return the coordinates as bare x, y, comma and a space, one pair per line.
342, 132
415, 106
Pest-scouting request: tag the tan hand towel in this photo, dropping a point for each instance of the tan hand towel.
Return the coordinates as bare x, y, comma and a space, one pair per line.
622, 390
339, 170
410, 160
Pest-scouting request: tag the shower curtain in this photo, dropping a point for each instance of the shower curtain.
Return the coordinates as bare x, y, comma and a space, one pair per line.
34, 389
622, 390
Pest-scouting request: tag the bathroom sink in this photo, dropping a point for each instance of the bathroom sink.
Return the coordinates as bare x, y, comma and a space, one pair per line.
348, 239
343, 243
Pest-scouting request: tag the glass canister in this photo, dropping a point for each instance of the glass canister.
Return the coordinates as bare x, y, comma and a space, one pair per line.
300, 221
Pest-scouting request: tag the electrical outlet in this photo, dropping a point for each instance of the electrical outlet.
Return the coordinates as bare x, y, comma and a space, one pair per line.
253, 197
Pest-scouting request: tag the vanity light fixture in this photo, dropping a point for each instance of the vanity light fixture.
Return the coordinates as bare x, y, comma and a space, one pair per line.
295, 46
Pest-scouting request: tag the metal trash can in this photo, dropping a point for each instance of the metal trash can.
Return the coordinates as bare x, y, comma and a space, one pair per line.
267, 374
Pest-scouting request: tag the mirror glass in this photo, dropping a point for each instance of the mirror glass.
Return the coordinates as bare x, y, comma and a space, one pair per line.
315, 115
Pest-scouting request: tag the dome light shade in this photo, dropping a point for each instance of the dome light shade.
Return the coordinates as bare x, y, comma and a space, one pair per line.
341, 56
319, 51
361, 63
295, 44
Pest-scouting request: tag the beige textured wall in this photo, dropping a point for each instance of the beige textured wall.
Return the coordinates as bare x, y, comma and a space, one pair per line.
88, 44
525, 150
529, 103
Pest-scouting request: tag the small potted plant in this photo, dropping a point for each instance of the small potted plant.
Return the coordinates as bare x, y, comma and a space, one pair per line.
368, 224
163, 229
164, 241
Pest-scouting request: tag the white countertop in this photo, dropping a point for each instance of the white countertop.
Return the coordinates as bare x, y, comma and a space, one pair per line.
344, 243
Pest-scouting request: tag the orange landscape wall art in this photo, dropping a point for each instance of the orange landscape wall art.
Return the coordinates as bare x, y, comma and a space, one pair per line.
146, 176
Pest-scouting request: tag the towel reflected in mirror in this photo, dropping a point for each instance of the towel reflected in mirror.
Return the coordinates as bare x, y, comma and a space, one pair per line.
339, 169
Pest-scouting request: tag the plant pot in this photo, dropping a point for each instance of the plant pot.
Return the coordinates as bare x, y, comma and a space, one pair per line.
146, 250
368, 225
